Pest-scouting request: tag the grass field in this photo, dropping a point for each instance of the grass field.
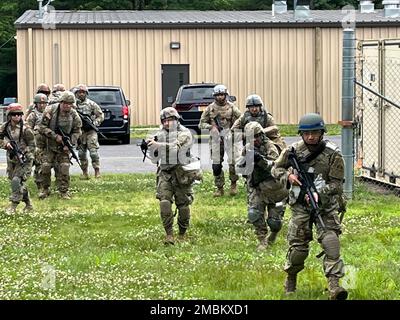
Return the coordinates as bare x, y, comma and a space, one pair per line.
106, 243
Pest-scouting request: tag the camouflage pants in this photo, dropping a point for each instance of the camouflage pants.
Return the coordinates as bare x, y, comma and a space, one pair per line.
218, 147
18, 176
89, 141
169, 190
60, 161
260, 208
37, 163
300, 234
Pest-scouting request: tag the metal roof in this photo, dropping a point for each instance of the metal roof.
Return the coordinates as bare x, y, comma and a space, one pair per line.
194, 19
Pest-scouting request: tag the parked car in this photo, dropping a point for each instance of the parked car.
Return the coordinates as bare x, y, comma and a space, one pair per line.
3, 108
191, 100
116, 109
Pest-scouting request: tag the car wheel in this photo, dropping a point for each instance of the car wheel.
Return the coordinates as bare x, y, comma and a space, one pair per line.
126, 139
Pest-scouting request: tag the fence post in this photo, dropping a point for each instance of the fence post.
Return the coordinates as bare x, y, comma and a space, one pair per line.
348, 64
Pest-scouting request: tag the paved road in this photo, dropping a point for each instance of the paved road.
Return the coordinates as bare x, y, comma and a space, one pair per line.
129, 159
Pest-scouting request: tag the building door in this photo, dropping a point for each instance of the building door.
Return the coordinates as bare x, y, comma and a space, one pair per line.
173, 76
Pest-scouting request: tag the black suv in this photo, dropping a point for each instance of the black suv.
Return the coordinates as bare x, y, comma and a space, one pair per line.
117, 115
191, 100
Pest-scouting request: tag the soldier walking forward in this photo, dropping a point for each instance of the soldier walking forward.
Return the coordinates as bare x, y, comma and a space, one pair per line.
321, 165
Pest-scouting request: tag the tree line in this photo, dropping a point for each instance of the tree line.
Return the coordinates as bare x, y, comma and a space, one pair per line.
10, 10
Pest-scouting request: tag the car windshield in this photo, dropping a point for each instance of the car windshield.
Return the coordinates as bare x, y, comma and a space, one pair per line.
196, 93
105, 97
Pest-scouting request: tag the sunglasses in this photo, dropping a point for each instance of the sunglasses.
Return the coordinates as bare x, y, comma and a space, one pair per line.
44, 92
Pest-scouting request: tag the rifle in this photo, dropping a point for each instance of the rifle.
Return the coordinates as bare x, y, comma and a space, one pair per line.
67, 142
307, 186
16, 152
88, 123
144, 146
219, 127
258, 176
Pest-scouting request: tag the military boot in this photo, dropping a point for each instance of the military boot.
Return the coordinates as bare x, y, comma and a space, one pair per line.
12, 208
28, 206
219, 192
65, 195
182, 233
262, 244
44, 193
169, 240
272, 237
97, 173
233, 191
336, 292
85, 175
290, 283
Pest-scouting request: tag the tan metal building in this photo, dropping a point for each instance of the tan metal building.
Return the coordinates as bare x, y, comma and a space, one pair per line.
295, 65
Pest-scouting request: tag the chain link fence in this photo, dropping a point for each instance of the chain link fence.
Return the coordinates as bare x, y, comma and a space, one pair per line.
377, 113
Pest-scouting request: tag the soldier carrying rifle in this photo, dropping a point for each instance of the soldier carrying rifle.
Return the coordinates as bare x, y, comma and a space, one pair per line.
92, 116
19, 141
59, 119
314, 168
219, 118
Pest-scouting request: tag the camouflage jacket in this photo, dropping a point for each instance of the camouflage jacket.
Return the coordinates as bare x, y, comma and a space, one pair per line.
70, 123
227, 114
267, 122
26, 142
33, 121
327, 171
92, 109
174, 148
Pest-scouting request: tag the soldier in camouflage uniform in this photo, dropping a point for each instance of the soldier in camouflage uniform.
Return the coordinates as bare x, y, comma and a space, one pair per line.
59, 116
264, 192
225, 113
56, 93
325, 166
42, 88
171, 151
32, 121
256, 111
18, 165
88, 140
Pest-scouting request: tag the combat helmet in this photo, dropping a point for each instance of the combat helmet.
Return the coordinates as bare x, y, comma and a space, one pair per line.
14, 108
254, 100
40, 97
68, 97
168, 112
81, 87
311, 122
253, 128
220, 88
43, 88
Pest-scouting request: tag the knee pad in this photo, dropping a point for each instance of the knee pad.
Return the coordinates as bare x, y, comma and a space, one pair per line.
82, 155
184, 217
94, 155
297, 256
16, 184
331, 245
253, 214
45, 168
217, 169
64, 168
274, 224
